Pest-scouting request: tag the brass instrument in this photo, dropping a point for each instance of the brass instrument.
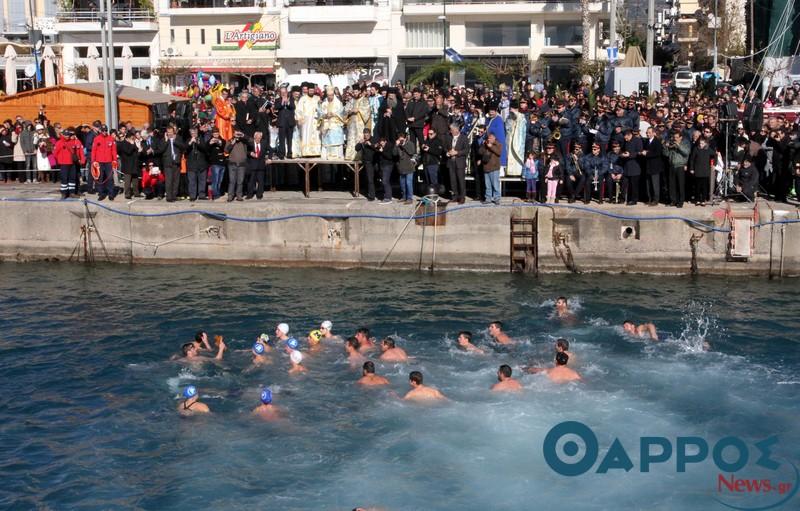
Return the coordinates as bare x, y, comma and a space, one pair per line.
579, 172
556, 134
595, 180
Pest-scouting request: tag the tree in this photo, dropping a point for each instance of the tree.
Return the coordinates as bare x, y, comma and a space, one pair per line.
427, 73
585, 22
167, 70
331, 68
517, 68
79, 71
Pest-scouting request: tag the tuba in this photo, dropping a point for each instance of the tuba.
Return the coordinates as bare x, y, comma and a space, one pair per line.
556, 135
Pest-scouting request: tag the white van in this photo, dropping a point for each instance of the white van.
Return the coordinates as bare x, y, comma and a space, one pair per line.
318, 79
684, 78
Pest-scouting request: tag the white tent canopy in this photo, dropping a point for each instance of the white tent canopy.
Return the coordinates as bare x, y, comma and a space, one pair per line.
92, 64
49, 66
11, 70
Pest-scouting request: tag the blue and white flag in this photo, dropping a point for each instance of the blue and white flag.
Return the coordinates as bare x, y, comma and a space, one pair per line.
453, 56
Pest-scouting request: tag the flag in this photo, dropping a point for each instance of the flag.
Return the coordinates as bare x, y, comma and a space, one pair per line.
453, 56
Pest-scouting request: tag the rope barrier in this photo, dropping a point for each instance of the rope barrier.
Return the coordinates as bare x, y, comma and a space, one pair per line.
370, 216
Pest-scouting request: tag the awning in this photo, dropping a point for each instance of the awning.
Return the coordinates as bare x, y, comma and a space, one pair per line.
229, 65
239, 70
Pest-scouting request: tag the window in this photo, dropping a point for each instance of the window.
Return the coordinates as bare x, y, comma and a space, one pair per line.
498, 34
424, 35
219, 36
172, 36
140, 51
563, 34
202, 36
188, 36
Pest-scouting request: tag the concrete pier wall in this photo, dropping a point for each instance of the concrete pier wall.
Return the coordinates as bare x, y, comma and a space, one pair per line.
475, 237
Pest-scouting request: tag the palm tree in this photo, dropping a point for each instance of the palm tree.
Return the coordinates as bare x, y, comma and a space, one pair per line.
586, 28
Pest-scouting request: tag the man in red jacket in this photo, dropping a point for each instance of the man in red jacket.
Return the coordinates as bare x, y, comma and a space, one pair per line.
69, 156
104, 155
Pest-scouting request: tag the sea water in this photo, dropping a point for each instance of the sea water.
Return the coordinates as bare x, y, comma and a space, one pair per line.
88, 393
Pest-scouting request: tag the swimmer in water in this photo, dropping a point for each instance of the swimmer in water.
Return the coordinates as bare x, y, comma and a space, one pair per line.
259, 355
314, 338
297, 363
368, 376
643, 330
505, 383
496, 333
326, 327
562, 309
465, 343
561, 373
201, 340
562, 346
420, 392
354, 356
282, 332
192, 354
190, 404
392, 353
266, 410
365, 341
263, 340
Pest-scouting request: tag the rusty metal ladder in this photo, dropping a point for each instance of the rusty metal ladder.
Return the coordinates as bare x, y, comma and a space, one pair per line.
524, 244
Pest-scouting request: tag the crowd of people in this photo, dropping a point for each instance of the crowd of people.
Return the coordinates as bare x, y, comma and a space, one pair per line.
670, 148
359, 346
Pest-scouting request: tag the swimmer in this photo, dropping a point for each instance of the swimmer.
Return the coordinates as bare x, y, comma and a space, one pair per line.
505, 383
365, 342
392, 353
297, 363
562, 309
314, 338
190, 404
326, 327
263, 340
465, 343
420, 392
368, 376
201, 338
266, 410
645, 329
562, 346
192, 353
561, 373
496, 333
259, 357
282, 332
354, 356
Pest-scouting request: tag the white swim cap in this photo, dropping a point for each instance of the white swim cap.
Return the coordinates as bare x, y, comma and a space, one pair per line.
327, 325
296, 357
283, 327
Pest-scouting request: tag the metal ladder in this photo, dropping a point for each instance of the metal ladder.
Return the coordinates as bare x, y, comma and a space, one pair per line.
523, 244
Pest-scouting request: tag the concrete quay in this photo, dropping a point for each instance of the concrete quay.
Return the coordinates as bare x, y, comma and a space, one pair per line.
333, 229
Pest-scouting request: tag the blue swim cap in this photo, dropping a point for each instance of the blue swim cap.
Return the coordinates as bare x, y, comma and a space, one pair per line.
258, 348
190, 391
292, 343
266, 396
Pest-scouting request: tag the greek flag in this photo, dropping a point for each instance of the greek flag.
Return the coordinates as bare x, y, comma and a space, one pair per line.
453, 56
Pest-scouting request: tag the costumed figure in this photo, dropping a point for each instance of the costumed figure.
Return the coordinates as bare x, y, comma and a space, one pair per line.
307, 130
359, 117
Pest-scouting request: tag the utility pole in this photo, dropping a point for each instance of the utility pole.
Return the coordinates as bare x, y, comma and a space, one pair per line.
112, 83
104, 55
651, 27
716, 23
443, 17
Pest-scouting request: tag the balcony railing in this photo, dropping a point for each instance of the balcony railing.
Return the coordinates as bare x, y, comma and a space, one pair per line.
216, 4
456, 2
93, 15
306, 3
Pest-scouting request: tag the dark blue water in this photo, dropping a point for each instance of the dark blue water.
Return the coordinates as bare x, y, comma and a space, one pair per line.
88, 394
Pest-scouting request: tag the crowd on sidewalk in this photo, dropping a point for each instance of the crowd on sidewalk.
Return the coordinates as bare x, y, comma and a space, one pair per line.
573, 144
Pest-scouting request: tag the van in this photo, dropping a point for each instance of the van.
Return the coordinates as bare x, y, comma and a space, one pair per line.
318, 79
684, 78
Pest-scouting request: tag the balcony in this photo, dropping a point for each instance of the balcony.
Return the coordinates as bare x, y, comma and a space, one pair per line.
93, 15
217, 7
336, 11
430, 8
214, 4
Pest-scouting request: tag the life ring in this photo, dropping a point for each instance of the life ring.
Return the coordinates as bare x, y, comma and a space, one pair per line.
96, 170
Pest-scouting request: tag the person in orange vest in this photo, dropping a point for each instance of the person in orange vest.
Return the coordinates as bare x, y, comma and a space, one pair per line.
104, 158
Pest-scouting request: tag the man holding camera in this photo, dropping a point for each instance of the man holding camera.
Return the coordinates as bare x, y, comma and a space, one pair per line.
677, 152
237, 165
197, 166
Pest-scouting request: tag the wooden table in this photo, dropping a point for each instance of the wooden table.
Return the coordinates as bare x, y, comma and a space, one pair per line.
308, 164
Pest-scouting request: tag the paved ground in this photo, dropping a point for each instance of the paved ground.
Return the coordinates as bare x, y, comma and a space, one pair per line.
341, 198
